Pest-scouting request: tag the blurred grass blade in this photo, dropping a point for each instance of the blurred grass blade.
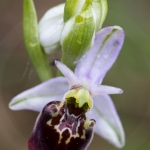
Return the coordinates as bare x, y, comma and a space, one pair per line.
34, 49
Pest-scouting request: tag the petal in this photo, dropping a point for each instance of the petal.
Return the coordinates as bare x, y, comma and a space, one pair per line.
108, 124
99, 59
70, 76
37, 97
104, 89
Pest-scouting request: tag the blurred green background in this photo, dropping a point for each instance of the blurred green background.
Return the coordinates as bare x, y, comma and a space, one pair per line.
131, 72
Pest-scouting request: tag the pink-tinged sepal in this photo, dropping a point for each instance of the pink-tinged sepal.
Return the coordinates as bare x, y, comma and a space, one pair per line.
57, 128
94, 65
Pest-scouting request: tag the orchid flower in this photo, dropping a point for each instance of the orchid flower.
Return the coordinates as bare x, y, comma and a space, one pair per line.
87, 78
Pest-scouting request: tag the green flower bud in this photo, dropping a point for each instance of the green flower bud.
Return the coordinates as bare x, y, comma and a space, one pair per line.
99, 10
77, 36
50, 28
82, 19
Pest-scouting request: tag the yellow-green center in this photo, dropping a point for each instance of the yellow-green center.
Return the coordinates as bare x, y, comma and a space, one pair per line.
82, 97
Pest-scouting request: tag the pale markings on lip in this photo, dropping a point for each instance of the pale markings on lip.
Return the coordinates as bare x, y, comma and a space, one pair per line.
56, 127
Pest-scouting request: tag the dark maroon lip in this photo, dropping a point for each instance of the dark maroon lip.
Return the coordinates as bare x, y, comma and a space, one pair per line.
56, 129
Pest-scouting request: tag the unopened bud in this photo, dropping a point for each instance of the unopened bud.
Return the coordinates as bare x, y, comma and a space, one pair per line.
50, 28
77, 36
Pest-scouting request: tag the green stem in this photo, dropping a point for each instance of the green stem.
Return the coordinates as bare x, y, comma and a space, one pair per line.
31, 37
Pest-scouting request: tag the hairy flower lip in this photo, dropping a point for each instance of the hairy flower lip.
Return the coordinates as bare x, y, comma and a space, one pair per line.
69, 131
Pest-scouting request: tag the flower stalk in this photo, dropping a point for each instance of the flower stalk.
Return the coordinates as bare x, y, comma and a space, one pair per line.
32, 42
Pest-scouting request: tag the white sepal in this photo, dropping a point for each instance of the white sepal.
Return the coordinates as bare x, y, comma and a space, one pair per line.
37, 97
108, 124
